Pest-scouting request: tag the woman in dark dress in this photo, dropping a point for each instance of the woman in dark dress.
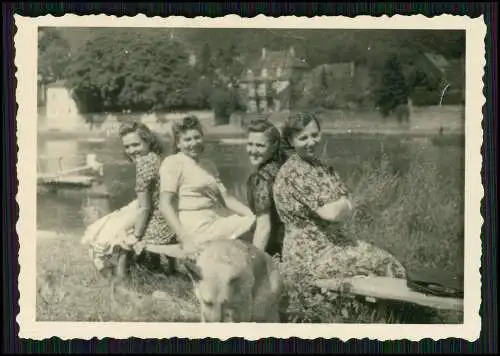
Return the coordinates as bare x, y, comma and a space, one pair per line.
266, 154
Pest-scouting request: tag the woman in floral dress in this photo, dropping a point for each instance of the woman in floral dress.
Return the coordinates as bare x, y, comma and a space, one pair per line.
312, 201
141, 220
144, 149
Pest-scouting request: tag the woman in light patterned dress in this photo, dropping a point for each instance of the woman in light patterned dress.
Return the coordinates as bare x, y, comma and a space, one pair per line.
192, 194
312, 201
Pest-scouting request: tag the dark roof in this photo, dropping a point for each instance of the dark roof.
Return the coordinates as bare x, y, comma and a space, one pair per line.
437, 60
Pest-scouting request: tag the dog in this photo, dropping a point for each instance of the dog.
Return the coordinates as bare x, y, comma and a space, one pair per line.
234, 281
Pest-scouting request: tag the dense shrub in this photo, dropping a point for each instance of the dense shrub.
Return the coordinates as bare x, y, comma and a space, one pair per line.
418, 220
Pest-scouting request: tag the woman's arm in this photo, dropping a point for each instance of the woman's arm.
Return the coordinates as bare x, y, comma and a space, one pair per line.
144, 213
228, 200
262, 231
146, 170
235, 205
169, 212
329, 201
336, 210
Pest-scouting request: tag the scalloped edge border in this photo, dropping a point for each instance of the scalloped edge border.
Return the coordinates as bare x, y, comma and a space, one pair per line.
25, 40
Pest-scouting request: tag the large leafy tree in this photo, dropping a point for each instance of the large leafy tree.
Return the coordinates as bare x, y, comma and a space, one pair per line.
133, 71
54, 55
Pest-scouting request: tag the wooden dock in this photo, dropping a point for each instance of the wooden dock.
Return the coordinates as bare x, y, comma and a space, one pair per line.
69, 181
72, 178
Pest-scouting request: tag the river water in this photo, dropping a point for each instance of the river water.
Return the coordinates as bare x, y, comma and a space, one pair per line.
65, 210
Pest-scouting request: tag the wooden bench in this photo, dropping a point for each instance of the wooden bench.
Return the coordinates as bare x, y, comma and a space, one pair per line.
172, 250
387, 288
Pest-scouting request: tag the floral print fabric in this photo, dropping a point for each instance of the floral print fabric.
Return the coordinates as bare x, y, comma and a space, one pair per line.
314, 248
261, 201
147, 179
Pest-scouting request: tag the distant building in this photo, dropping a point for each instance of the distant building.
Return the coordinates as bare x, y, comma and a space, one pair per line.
338, 85
448, 72
265, 82
439, 73
61, 110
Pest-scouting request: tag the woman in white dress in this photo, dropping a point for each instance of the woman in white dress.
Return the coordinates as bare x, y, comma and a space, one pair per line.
192, 195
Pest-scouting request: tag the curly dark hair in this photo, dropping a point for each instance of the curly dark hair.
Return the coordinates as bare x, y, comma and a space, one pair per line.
190, 122
154, 143
295, 123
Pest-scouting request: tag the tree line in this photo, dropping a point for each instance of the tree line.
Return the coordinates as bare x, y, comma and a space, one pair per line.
139, 70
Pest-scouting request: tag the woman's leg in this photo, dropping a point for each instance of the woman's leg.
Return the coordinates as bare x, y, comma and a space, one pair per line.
123, 265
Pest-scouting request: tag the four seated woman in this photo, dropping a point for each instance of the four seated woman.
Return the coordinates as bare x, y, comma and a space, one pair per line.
297, 204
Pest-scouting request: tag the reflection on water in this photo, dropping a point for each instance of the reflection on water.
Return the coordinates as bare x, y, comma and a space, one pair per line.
71, 210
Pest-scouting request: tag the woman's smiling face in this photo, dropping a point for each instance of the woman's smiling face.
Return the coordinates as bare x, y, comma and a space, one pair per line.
134, 146
307, 142
191, 143
259, 148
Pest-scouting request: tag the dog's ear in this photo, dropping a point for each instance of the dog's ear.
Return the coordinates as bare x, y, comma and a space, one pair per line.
193, 271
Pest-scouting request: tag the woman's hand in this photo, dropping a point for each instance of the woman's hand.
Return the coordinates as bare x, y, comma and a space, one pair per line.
236, 206
346, 208
128, 239
337, 210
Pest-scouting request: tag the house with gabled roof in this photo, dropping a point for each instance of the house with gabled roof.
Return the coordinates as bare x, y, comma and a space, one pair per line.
446, 77
451, 72
265, 83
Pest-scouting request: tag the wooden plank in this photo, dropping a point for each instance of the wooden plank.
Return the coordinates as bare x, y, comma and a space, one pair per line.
389, 289
172, 250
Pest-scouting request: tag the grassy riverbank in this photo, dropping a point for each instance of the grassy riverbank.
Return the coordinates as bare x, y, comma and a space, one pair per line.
69, 289
410, 215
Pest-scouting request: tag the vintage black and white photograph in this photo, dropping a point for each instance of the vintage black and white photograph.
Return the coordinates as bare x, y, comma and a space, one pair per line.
238, 174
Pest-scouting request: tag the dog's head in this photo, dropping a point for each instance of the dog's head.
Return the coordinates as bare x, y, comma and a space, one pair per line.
222, 280
215, 291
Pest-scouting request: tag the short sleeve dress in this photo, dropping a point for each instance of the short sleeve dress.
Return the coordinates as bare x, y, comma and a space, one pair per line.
314, 248
198, 189
147, 179
261, 201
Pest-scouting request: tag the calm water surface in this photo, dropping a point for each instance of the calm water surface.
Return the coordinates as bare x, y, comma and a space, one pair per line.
63, 211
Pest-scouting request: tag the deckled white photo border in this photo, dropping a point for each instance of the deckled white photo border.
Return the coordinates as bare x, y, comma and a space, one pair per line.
26, 96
